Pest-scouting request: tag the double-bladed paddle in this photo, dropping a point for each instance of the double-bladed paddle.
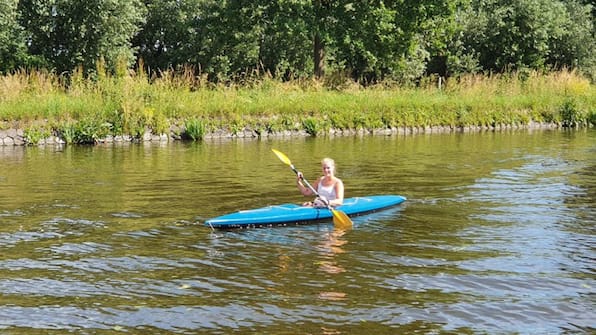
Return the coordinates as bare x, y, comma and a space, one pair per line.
340, 219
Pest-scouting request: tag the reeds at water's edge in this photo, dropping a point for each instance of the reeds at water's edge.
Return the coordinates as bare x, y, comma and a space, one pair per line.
83, 110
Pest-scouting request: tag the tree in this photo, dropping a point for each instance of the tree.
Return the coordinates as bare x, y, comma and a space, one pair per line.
575, 43
505, 35
13, 53
70, 33
288, 38
165, 40
378, 40
227, 39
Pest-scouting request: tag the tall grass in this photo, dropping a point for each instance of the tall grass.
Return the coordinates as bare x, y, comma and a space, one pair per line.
132, 103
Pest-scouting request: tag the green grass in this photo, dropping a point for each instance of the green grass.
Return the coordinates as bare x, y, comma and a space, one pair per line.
132, 103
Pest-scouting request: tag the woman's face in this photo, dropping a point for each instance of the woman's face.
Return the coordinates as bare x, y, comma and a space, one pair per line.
327, 169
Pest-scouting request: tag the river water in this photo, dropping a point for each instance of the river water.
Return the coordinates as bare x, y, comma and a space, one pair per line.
497, 236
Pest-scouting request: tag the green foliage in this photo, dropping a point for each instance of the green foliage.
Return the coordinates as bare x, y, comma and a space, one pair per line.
68, 133
85, 131
286, 122
236, 42
12, 39
312, 126
574, 47
69, 33
159, 124
592, 118
235, 126
34, 134
505, 35
571, 115
195, 129
93, 108
134, 118
391, 39
167, 36
233, 41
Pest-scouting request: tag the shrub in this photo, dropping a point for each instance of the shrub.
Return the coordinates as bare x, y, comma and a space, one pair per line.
68, 133
195, 129
570, 114
312, 126
592, 118
89, 131
35, 134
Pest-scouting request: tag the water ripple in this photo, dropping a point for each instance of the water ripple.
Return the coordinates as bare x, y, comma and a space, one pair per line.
496, 238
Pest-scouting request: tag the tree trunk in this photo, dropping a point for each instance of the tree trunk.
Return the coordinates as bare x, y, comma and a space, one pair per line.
319, 56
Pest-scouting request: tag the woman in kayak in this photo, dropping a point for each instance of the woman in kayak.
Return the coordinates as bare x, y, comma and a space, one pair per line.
329, 187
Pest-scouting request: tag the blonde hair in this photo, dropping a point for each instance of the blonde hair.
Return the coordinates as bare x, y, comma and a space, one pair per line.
329, 162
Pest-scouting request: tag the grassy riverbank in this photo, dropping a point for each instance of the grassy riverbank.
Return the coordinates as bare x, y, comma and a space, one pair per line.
88, 109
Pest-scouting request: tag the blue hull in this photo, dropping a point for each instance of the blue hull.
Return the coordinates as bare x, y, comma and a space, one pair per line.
295, 214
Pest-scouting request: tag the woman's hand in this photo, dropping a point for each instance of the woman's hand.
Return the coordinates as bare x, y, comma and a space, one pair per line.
321, 201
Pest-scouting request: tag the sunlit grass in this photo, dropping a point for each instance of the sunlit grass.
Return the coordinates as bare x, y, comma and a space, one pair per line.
131, 102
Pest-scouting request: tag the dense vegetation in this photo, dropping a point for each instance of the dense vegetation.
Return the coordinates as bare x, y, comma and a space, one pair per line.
87, 110
368, 41
120, 66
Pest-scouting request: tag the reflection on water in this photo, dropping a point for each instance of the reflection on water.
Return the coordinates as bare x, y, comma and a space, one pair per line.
330, 247
497, 236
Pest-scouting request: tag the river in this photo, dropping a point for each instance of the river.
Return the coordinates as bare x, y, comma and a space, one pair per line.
497, 236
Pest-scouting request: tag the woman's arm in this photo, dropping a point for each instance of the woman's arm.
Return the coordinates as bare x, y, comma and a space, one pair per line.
304, 189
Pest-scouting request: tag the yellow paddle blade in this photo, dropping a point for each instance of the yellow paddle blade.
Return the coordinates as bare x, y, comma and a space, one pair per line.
341, 219
282, 157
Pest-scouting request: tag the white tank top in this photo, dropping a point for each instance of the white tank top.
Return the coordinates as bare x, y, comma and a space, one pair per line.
327, 191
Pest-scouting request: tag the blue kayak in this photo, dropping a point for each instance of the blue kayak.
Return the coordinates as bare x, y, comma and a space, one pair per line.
286, 214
